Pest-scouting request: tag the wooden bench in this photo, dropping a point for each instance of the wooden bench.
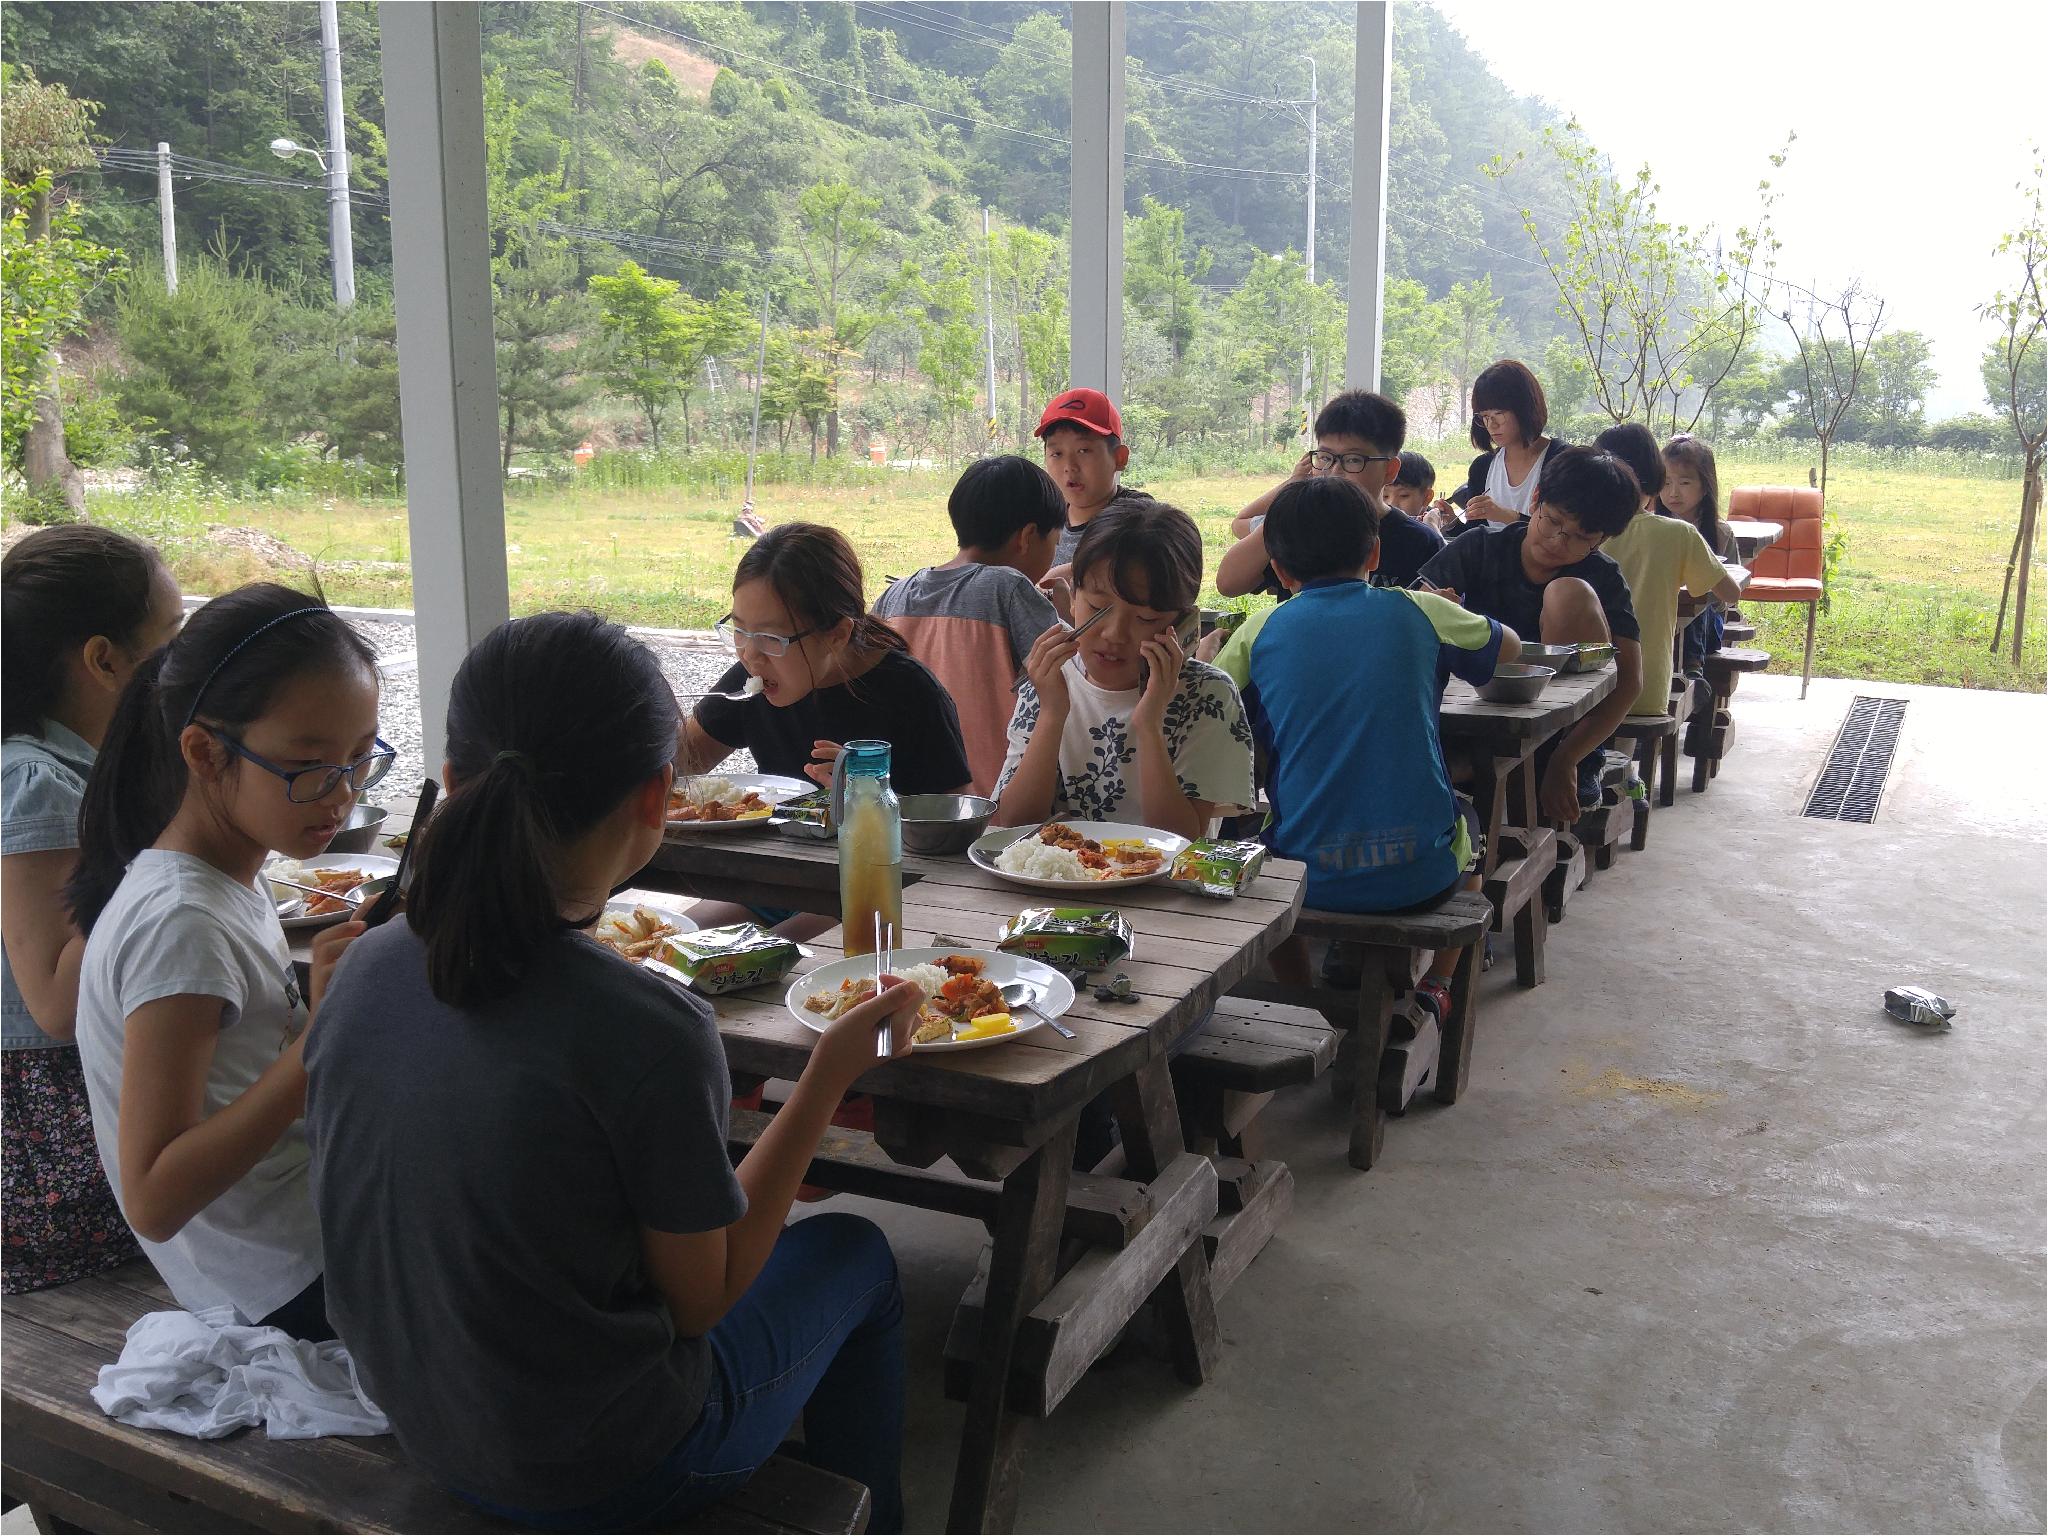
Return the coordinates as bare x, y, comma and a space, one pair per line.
1655, 737
1246, 1053
1737, 631
1710, 744
1371, 1061
1599, 831
75, 1468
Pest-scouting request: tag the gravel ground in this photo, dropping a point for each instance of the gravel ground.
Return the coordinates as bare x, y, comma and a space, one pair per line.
692, 667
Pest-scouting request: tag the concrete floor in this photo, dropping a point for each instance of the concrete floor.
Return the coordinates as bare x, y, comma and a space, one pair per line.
1712, 1243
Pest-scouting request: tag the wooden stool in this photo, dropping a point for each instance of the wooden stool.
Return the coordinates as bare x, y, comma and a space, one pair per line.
1724, 670
1397, 948
1247, 1052
1655, 736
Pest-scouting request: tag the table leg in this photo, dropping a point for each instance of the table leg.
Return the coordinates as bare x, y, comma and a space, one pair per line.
1022, 1267
1532, 923
1489, 798
1150, 1126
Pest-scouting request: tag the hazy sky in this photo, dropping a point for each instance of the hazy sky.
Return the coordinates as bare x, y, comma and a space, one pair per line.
1914, 124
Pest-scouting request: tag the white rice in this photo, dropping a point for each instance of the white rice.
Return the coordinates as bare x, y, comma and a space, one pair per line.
710, 790
1041, 861
928, 976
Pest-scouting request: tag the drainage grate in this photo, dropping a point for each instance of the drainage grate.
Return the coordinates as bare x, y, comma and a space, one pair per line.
1852, 783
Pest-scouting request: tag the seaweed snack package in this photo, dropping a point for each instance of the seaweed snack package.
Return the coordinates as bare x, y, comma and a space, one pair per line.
1075, 940
1217, 868
731, 959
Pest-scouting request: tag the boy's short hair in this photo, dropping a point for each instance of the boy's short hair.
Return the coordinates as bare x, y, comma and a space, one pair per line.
1362, 414
1508, 386
1592, 486
1416, 472
995, 497
1155, 542
1321, 527
1635, 445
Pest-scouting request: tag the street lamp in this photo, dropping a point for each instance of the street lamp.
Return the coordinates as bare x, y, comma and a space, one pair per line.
284, 149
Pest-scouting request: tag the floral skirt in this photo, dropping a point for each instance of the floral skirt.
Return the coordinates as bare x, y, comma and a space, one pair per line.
62, 1222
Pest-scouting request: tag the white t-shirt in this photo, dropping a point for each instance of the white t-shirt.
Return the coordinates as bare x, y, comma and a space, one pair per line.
1513, 498
177, 927
1206, 735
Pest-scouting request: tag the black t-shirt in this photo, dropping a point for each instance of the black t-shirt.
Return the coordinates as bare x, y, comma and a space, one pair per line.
1405, 547
897, 700
482, 1175
1485, 567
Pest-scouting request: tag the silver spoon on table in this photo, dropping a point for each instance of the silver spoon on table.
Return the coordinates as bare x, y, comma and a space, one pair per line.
1020, 994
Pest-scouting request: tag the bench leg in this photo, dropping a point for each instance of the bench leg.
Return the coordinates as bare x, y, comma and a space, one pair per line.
1375, 1012
1646, 769
1668, 794
1150, 1127
1702, 770
1454, 1066
1030, 1214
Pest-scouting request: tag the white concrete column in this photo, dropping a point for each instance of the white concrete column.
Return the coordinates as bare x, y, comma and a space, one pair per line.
1374, 97
447, 354
1095, 297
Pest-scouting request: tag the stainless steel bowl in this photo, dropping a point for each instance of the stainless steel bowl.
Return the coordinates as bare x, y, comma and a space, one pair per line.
359, 833
1516, 683
1554, 656
943, 823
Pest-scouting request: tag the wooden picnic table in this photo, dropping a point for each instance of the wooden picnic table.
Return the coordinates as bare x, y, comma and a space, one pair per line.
1029, 1327
1501, 741
1754, 535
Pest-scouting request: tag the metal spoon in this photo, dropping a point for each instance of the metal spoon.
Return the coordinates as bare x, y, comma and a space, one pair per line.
1020, 994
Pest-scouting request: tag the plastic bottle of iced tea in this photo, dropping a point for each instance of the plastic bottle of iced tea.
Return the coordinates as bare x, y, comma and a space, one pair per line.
870, 845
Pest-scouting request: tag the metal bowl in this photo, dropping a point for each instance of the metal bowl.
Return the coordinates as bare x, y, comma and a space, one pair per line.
943, 823
359, 833
1515, 683
1554, 656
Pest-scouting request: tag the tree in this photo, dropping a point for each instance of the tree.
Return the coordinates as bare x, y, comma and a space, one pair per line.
1475, 335
2014, 383
196, 360
1033, 268
541, 322
1162, 277
1659, 318
1894, 408
1831, 359
45, 134
837, 234
1417, 331
949, 340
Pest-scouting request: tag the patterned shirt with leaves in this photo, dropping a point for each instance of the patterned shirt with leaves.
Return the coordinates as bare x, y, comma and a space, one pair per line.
1207, 737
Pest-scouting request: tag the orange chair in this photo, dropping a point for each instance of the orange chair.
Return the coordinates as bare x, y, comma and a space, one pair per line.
1791, 570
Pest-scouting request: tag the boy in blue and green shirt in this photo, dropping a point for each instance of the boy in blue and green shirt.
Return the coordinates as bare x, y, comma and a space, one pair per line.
1342, 686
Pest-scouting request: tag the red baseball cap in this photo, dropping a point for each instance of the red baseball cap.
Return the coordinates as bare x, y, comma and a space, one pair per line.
1087, 408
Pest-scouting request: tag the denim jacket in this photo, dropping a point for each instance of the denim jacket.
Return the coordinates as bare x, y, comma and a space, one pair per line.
42, 784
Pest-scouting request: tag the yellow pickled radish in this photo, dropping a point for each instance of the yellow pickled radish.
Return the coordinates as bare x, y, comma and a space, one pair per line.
981, 1028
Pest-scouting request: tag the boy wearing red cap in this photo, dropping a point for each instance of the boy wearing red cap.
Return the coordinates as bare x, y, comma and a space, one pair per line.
1084, 450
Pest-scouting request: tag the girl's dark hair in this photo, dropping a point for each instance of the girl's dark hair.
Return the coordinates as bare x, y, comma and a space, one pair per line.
815, 574
1636, 446
1321, 527
1150, 540
60, 587
1697, 455
1508, 386
225, 670
552, 721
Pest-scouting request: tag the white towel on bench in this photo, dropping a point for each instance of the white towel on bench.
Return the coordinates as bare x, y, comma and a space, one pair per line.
205, 1375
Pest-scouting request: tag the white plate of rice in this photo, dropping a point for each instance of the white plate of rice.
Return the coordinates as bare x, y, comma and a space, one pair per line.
292, 903
1055, 992
706, 788
1019, 856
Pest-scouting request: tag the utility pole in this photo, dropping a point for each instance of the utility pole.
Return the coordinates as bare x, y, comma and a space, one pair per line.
988, 293
340, 244
760, 373
166, 215
1309, 249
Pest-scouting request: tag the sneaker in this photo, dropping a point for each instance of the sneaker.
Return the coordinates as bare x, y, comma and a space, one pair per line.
1434, 993
1589, 782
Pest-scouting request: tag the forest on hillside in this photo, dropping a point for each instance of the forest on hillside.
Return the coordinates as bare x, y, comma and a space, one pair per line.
658, 168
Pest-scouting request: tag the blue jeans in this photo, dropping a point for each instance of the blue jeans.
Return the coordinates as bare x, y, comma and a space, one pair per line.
819, 1333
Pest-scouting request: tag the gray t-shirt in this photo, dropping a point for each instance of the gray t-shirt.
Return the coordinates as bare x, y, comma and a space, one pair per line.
483, 1175
178, 927
42, 784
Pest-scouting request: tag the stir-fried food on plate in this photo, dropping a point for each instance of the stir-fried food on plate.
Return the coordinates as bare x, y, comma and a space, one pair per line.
635, 934
956, 994
337, 883
1058, 852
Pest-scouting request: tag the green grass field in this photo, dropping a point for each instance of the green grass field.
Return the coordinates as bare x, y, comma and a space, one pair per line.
1913, 600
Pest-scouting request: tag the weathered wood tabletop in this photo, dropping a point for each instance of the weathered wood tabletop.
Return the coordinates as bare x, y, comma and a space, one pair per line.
1754, 535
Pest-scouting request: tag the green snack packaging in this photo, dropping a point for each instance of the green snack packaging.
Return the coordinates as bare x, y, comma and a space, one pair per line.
1217, 868
730, 959
806, 816
1075, 940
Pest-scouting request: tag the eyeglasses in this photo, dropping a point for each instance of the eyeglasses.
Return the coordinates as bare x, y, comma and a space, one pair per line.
1558, 529
303, 786
1353, 463
767, 645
